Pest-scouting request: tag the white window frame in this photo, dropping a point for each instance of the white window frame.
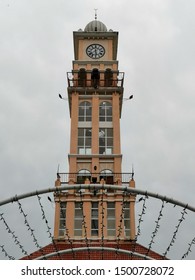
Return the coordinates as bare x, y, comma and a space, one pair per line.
105, 111
84, 148
94, 219
111, 219
85, 111
78, 219
106, 141
127, 228
62, 220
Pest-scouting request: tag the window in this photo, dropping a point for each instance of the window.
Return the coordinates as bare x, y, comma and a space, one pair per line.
105, 111
106, 141
84, 141
94, 219
111, 230
95, 78
107, 175
78, 218
62, 225
108, 77
82, 77
127, 220
85, 111
82, 175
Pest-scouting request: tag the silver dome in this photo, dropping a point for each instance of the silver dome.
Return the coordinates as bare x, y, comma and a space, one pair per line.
95, 26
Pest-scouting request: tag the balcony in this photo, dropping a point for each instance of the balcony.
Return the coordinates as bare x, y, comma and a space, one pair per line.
95, 178
98, 80
103, 83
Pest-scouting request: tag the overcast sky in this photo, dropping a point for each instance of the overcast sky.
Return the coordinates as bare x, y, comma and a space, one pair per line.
157, 53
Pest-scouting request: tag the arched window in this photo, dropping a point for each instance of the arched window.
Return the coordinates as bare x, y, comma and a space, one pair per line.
82, 175
85, 111
95, 78
105, 111
107, 175
108, 76
82, 77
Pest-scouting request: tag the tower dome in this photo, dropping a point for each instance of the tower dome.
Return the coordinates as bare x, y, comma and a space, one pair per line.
95, 26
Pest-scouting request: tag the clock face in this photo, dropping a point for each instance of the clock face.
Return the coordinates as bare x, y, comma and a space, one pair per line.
95, 51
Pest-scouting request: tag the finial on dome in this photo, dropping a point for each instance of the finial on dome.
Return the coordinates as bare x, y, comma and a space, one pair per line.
95, 14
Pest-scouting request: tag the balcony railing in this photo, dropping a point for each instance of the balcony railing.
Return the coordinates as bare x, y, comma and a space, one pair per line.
95, 178
75, 81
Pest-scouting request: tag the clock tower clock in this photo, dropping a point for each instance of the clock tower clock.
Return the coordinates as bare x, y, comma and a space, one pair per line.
95, 51
95, 95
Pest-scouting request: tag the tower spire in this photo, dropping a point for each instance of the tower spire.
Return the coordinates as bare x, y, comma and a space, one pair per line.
95, 14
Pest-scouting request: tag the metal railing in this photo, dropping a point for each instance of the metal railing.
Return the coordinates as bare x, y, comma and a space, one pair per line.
75, 81
110, 178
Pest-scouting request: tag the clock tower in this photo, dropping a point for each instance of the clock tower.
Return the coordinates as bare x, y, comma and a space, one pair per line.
93, 216
94, 206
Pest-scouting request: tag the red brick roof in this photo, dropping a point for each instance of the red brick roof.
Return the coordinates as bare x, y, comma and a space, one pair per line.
87, 254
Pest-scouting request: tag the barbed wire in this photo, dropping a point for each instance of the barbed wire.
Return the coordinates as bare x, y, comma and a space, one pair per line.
35, 241
140, 220
120, 226
189, 249
84, 222
14, 237
102, 220
154, 233
47, 225
143, 212
183, 213
44, 217
5, 253
66, 230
